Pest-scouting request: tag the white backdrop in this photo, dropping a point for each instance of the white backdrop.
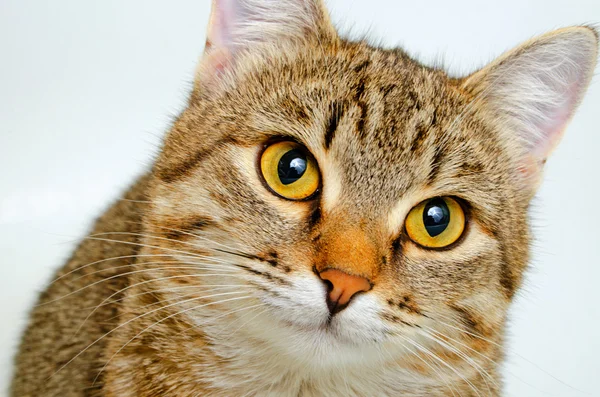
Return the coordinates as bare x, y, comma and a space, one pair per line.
88, 87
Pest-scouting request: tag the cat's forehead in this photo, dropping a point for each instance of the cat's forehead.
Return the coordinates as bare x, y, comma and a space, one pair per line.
380, 121
379, 124
352, 74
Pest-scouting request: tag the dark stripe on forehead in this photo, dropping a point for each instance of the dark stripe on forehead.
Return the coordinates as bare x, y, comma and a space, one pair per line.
419, 138
359, 96
436, 162
362, 66
337, 112
362, 120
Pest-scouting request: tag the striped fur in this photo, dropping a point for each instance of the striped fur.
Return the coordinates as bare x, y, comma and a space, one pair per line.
202, 282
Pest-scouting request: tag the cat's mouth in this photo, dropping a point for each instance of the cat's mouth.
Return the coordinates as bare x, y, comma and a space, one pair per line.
330, 326
334, 326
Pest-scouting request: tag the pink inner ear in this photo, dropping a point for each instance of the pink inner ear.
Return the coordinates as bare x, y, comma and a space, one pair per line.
218, 54
220, 25
537, 87
552, 128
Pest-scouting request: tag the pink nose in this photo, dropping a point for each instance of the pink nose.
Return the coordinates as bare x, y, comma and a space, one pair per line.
342, 287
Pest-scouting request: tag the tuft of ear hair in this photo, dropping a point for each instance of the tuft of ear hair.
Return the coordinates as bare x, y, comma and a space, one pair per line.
535, 88
238, 26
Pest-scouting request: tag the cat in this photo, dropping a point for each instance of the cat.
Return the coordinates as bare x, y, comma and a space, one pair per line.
325, 218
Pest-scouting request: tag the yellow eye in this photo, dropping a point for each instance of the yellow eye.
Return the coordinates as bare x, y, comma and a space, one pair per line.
436, 223
290, 171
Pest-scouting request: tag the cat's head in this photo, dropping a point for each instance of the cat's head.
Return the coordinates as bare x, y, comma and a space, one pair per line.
347, 195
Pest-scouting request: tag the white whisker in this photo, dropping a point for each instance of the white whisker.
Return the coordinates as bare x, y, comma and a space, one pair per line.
466, 358
128, 322
107, 260
168, 317
441, 361
189, 267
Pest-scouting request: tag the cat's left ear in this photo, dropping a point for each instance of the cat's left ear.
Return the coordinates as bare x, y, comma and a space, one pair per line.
535, 88
246, 26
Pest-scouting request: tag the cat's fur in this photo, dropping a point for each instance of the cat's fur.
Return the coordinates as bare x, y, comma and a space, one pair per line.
201, 282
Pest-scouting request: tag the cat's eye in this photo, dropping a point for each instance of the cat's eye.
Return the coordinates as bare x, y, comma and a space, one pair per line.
436, 223
290, 171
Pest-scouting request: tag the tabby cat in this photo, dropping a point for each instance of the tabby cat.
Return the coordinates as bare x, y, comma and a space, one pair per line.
325, 218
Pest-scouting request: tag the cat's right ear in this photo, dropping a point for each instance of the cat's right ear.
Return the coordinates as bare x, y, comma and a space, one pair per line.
238, 26
534, 90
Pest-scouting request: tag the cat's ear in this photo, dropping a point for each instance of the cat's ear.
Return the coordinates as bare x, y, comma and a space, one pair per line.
236, 26
535, 88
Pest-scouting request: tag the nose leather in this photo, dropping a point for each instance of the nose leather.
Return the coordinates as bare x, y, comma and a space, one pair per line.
343, 287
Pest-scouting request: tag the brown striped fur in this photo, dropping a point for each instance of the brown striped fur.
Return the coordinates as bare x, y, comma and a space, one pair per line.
230, 304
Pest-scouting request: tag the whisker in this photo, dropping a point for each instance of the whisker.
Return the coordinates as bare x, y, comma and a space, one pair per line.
212, 319
441, 361
465, 357
175, 298
202, 237
107, 260
238, 254
460, 343
516, 354
228, 249
122, 325
231, 274
170, 299
122, 290
164, 238
246, 322
166, 318
108, 240
430, 366
137, 201
170, 289
205, 266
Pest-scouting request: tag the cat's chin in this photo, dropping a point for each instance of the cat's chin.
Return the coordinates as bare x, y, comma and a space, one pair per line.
338, 341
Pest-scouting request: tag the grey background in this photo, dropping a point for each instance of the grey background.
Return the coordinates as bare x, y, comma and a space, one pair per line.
87, 88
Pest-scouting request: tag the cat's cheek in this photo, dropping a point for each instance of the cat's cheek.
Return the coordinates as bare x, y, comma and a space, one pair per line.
471, 266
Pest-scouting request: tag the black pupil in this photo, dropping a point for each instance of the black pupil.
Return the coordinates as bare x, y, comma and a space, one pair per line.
292, 166
436, 217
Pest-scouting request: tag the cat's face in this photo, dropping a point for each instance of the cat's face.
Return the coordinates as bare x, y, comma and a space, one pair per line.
382, 134
385, 135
